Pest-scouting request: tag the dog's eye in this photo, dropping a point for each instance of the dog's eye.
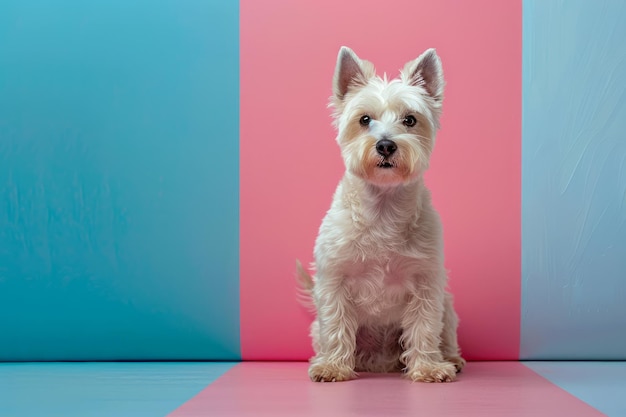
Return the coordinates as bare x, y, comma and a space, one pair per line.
365, 120
409, 121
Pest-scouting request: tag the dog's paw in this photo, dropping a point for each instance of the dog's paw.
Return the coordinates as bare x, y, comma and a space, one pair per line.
432, 372
457, 361
323, 372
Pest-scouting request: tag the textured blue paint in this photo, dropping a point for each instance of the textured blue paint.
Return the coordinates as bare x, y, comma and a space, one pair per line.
118, 180
600, 384
102, 389
574, 180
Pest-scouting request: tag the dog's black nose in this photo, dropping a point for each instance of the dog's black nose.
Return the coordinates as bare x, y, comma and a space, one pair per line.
386, 147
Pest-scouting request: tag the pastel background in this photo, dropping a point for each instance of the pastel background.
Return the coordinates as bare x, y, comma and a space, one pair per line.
288, 177
574, 181
163, 165
118, 180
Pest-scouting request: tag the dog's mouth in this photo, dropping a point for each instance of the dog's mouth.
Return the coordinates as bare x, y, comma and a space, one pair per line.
385, 164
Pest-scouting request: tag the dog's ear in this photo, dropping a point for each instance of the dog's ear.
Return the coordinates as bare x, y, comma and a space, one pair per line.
350, 71
426, 72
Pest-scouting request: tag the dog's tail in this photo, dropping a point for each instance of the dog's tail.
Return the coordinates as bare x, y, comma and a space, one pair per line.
305, 286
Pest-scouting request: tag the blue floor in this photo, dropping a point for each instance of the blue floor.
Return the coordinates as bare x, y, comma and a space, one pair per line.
101, 389
602, 385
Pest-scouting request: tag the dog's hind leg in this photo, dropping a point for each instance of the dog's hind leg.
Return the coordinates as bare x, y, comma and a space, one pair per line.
449, 344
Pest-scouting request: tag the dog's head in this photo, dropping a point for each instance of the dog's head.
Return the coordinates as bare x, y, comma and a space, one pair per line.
386, 129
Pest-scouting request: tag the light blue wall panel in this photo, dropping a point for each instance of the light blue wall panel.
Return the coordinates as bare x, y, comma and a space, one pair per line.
574, 180
119, 179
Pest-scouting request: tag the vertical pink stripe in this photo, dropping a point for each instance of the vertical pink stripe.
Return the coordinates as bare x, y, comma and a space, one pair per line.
283, 389
290, 163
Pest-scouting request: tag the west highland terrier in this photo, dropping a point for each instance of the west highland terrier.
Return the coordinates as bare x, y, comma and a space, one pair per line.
379, 289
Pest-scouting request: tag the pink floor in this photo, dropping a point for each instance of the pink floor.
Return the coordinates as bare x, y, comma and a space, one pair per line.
483, 389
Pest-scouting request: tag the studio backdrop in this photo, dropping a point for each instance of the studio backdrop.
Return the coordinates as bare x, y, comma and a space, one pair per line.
164, 164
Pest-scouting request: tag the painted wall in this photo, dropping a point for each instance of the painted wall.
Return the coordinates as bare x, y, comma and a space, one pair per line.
118, 180
290, 162
574, 180
162, 165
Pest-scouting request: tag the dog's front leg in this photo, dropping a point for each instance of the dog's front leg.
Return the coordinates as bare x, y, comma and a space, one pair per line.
335, 358
422, 324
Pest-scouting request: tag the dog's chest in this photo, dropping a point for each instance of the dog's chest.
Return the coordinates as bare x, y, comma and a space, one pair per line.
380, 289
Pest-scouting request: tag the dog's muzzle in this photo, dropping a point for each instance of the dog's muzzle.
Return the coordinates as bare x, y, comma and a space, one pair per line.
386, 147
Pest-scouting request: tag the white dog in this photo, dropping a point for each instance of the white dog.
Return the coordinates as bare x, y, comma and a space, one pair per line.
379, 286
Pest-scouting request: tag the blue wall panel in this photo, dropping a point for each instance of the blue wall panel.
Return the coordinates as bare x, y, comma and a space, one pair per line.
119, 180
574, 180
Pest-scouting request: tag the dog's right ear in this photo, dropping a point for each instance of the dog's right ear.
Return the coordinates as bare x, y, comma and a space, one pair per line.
350, 71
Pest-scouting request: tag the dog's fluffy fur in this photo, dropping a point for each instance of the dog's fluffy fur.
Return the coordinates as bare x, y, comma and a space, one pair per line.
379, 286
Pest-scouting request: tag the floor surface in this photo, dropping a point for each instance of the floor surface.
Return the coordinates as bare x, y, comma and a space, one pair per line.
513, 389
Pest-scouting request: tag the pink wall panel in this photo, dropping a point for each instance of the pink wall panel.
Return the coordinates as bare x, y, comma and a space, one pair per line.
290, 163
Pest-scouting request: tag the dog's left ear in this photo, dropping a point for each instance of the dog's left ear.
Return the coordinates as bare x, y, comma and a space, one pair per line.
426, 72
